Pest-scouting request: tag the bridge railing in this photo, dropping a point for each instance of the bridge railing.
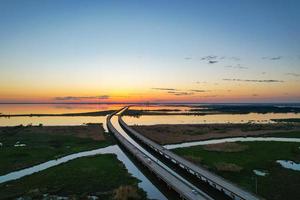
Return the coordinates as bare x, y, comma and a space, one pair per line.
162, 174
232, 190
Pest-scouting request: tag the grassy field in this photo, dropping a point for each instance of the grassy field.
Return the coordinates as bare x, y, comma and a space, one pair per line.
289, 120
46, 143
288, 134
178, 133
236, 163
246, 109
102, 176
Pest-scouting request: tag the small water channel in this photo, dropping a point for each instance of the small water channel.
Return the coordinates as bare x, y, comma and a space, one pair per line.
145, 184
288, 164
236, 139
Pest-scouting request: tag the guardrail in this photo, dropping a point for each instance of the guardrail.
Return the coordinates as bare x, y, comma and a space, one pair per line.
230, 189
183, 190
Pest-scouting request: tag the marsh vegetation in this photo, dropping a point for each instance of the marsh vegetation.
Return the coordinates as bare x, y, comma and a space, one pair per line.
237, 162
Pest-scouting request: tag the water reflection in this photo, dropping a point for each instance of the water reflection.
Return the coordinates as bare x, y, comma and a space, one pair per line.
207, 119
51, 121
145, 184
260, 173
288, 164
164, 108
55, 108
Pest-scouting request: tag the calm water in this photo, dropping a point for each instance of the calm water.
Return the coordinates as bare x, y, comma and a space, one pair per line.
203, 119
260, 173
51, 121
55, 108
288, 164
142, 120
171, 108
207, 119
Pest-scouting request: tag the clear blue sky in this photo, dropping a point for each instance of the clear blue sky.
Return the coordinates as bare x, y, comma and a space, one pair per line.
74, 48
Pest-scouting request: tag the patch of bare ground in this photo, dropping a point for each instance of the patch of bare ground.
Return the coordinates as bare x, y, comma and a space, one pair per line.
126, 192
228, 167
178, 133
226, 147
195, 159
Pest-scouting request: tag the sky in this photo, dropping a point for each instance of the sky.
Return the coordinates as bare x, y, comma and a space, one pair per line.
150, 51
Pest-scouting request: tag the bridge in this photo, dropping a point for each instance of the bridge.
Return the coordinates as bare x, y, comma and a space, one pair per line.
184, 188
232, 190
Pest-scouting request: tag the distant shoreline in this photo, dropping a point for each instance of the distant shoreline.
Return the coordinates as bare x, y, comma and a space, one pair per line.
98, 113
161, 103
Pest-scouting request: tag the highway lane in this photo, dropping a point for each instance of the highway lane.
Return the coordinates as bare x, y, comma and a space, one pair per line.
172, 179
215, 181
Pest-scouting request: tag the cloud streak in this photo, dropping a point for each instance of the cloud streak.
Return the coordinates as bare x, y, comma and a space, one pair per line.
293, 74
212, 61
164, 89
76, 98
272, 58
208, 58
253, 80
181, 93
198, 90
238, 66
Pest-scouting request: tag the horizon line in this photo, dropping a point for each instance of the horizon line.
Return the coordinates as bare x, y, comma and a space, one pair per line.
149, 103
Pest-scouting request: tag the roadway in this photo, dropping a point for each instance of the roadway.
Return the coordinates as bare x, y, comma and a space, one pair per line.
232, 190
182, 186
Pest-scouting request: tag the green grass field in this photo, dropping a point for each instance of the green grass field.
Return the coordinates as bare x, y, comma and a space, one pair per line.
280, 183
40, 148
287, 134
102, 176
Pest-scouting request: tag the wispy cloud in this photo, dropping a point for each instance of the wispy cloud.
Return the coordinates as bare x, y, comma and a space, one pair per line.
188, 58
209, 58
201, 82
210, 96
234, 58
253, 80
212, 61
164, 89
293, 74
198, 90
238, 66
181, 93
76, 98
272, 58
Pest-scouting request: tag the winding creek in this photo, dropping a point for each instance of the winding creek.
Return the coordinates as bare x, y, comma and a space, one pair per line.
235, 139
145, 183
